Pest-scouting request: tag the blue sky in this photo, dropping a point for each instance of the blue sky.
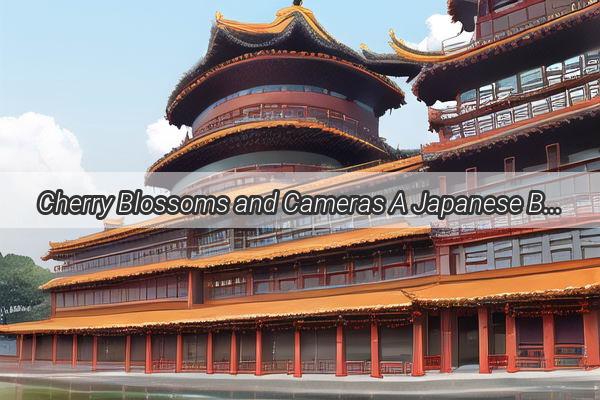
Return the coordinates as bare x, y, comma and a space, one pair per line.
104, 70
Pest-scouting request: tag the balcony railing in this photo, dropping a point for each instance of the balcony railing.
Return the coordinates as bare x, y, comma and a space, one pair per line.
496, 361
278, 367
358, 367
275, 112
530, 357
569, 355
163, 365
221, 367
395, 367
318, 367
432, 363
194, 365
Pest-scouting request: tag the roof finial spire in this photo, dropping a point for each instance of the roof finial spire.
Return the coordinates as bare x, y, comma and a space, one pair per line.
298, 3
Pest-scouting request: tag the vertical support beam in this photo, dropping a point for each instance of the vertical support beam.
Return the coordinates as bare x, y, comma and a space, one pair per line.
340, 352
591, 337
258, 371
233, 354
418, 368
74, 352
94, 353
33, 347
54, 345
209, 353
179, 353
190, 301
446, 338
128, 353
548, 323
21, 340
148, 363
511, 343
483, 322
375, 369
297, 354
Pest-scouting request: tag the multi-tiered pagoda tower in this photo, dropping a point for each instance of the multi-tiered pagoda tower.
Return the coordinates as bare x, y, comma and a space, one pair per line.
286, 96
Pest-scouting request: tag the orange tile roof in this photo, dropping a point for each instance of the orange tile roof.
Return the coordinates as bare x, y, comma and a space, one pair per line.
107, 236
542, 282
573, 278
246, 311
266, 253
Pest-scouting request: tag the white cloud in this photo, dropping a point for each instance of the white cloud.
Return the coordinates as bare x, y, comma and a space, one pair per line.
163, 137
441, 28
36, 143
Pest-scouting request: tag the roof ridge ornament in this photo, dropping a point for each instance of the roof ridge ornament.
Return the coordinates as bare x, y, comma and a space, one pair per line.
297, 3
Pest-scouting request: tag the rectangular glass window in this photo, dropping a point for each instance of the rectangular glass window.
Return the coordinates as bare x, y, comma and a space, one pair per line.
531, 251
573, 68
60, 300
182, 290
505, 87
151, 289
561, 247
171, 287
486, 94
531, 80
161, 288
554, 73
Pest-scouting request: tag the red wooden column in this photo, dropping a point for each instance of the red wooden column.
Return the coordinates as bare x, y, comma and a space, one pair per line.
297, 354
209, 353
74, 352
54, 343
94, 353
33, 347
418, 357
483, 322
128, 353
148, 363
375, 370
340, 352
591, 337
446, 338
258, 371
21, 339
179, 353
548, 322
233, 354
190, 301
511, 343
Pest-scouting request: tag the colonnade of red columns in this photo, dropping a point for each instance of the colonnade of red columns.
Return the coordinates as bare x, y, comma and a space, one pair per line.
591, 330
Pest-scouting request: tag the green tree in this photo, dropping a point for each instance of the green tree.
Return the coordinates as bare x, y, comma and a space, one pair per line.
20, 298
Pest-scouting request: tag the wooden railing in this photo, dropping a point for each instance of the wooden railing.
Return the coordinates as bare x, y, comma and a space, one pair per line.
319, 367
496, 361
194, 365
432, 363
358, 367
530, 357
278, 367
163, 365
247, 366
221, 366
569, 355
395, 367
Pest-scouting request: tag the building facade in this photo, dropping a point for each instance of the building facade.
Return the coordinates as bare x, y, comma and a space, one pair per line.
286, 96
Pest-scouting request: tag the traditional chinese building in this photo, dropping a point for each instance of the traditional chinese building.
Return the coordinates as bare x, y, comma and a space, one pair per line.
286, 96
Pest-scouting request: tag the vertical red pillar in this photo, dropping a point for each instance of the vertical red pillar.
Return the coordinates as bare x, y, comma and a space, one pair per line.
209, 353
446, 340
375, 369
21, 339
94, 353
148, 366
297, 355
128, 353
483, 322
511, 343
258, 352
233, 354
340, 352
54, 345
418, 356
179, 353
33, 347
190, 301
74, 352
548, 323
591, 338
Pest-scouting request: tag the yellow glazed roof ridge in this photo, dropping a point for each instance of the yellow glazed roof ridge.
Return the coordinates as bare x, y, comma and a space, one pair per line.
406, 52
257, 254
282, 20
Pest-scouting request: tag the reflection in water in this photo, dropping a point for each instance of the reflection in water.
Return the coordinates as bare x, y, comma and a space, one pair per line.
32, 390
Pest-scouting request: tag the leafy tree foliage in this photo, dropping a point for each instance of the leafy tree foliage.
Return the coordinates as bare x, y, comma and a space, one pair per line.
20, 298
